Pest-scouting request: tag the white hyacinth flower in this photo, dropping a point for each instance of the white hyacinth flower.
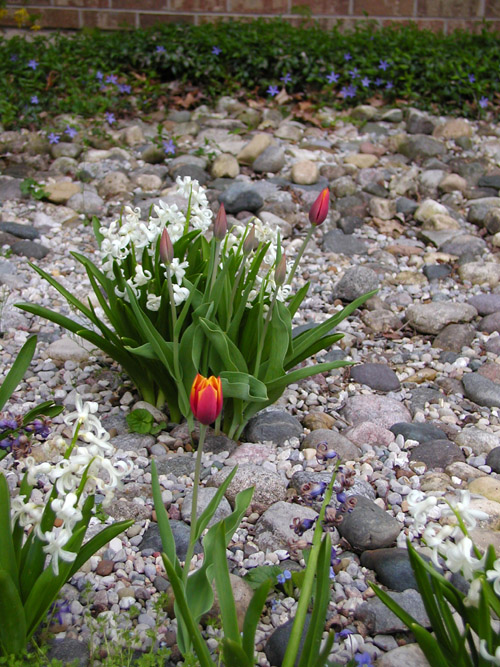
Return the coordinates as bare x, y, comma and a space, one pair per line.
459, 557
180, 294
55, 548
483, 652
419, 506
467, 514
494, 576
178, 269
66, 510
26, 512
153, 302
84, 414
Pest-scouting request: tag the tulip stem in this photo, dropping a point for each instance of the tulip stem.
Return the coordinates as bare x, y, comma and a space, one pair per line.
299, 255
194, 504
216, 262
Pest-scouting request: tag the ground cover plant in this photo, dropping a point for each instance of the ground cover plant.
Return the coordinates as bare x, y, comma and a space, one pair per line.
143, 70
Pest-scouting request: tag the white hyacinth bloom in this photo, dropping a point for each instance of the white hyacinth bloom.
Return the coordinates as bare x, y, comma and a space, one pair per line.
153, 302
467, 514
180, 294
459, 557
494, 576
483, 652
178, 269
26, 512
472, 597
419, 506
66, 509
84, 414
55, 548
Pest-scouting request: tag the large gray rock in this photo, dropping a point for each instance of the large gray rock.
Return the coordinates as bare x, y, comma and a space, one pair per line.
272, 530
274, 425
379, 619
269, 486
355, 282
434, 316
376, 376
381, 410
368, 526
481, 390
343, 244
205, 495
241, 196
420, 146
271, 160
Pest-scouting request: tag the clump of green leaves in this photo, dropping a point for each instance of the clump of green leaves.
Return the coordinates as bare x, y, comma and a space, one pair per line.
33, 189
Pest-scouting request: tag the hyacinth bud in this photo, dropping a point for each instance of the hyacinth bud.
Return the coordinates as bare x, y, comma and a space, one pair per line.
319, 210
280, 272
166, 248
249, 243
220, 225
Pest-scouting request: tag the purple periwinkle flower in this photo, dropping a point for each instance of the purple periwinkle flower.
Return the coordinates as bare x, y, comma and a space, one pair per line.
99, 75
332, 77
389, 85
216, 51
34, 99
54, 138
472, 78
160, 49
169, 147
354, 73
347, 56
14, 58
112, 78
378, 81
383, 65
110, 117
363, 659
273, 90
348, 91
33, 64
287, 78
300, 526
483, 102
71, 132
281, 578
124, 88
365, 82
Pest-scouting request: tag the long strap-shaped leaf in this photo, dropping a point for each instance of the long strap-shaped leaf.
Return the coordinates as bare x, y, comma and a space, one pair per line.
17, 371
166, 534
8, 560
224, 589
12, 621
252, 618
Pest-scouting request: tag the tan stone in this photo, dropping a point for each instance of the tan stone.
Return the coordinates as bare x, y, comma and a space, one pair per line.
225, 166
464, 471
434, 481
453, 129
148, 182
489, 487
315, 420
409, 278
422, 375
114, 183
254, 147
133, 135
479, 273
361, 160
60, 192
452, 182
483, 537
440, 222
305, 172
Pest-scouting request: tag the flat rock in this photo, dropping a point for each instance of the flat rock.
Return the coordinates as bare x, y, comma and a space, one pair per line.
67, 349
27, 248
19, 230
379, 619
274, 425
481, 390
490, 323
479, 273
86, 202
240, 196
205, 495
410, 655
392, 567
434, 316
346, 449
437, 454
269, 487
421, 432
380, 410
60, 192
276, 645
454, 337
367, 526
272, 530
480, 442
271, 160
493, 459
254, 148
305, 172
421, 146
487, 486
368, 433
343, 244
152, 539
376, 376
485, 304
355, 282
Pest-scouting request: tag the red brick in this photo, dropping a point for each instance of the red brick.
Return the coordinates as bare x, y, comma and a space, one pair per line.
204, 6
462, 9
389, 8
148, 20
259, 7
32, 6
59, 18
436, 25
108, 20
329, 7
136, 5
492, 9
463, 24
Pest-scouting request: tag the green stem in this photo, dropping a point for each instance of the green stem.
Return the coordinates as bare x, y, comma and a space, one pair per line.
215, 265
175, 336
194, 506
235, 287
299, 255
263, 337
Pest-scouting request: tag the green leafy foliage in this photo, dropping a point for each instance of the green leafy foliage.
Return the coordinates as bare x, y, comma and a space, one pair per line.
142, 421
31, 187
426, 69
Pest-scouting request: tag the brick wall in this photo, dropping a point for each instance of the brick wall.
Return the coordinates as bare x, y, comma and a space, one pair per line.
443, 15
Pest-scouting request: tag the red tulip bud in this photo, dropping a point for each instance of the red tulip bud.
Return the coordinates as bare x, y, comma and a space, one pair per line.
220, 226
166, 248
206, 398
319, 210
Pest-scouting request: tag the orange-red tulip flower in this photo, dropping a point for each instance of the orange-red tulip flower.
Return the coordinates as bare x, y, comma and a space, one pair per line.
206, 398
319, 210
